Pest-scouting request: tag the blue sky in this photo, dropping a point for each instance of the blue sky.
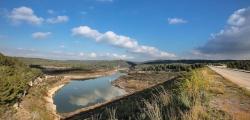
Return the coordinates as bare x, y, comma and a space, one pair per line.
125, 29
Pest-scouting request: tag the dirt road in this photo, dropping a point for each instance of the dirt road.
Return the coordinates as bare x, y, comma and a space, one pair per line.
240, 78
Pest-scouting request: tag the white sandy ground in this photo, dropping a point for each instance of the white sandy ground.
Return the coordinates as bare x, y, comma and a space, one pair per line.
50, 101
240, 78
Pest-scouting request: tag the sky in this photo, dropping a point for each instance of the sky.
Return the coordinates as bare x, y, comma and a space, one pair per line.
136, 30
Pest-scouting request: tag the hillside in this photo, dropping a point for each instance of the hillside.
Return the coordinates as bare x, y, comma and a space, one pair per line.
14, 80
83, 64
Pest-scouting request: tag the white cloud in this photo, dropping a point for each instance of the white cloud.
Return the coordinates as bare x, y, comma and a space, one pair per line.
233, 41
58, 19
60, 54
116, 56
93, 55
41, 35
86, 32
176, 21
107, 56
25, 14
81, 54
237, 18
120, 41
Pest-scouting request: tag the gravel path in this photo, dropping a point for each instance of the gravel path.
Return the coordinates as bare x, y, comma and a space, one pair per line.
240, 78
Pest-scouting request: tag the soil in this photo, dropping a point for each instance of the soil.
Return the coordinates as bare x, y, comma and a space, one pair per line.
238, 77
229, 97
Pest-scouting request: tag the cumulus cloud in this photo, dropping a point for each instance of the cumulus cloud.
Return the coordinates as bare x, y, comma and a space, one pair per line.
233, 41
120, 41
116, 56
176, 21
58, 19
107, 55
41, 35
27, 15
61, 54
24, 14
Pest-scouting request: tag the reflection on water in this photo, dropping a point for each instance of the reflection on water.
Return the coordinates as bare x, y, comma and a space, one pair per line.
95, 96
78, 94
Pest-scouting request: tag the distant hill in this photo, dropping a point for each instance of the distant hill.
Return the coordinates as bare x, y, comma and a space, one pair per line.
185, 61
83, 64
236, 64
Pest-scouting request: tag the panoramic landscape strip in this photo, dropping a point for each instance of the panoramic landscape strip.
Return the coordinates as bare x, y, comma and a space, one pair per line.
124, 60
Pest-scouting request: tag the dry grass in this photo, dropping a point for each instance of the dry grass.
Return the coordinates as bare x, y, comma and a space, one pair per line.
242, 115
96, 117
229, 98
188, 101
34, 105
153, 110
197, 112
187, 98
111, 114
137, 85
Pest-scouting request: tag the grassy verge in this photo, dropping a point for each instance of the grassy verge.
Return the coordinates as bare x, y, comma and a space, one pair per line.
185, 98
188, 99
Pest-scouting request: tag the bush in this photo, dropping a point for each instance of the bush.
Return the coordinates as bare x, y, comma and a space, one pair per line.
14, 79
240, 64
168, 67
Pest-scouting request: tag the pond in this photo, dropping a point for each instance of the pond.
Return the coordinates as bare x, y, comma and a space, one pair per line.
84, 93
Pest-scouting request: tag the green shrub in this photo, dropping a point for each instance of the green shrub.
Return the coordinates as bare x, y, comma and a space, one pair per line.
14, 79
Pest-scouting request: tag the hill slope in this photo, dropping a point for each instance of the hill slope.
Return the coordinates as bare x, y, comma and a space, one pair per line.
14, 80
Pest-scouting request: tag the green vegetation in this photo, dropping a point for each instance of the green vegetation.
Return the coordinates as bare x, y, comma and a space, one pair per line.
77, 64
14, 80
185, 98
168, 67
241, 64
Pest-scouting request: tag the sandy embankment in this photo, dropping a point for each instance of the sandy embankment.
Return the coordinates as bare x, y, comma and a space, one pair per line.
65, 80
49, 99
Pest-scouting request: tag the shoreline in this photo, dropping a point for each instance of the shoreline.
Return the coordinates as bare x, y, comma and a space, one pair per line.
67, 78
49, 99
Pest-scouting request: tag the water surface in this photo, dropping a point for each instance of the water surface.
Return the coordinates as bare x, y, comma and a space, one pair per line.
83, 93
